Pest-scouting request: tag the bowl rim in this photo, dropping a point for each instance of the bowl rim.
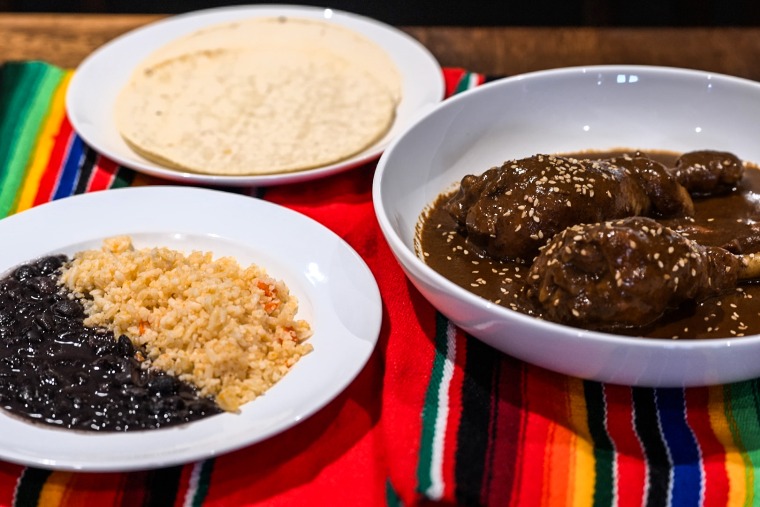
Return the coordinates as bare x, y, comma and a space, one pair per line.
587, 69
410, 261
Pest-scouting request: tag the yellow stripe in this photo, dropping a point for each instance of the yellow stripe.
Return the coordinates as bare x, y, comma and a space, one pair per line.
44, 147
735, 465
583, 465
53, 491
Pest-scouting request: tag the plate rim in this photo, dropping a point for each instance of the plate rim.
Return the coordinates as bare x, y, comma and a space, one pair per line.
239, 432
426, 66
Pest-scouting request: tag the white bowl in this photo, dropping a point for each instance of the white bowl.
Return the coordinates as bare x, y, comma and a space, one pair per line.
565, 110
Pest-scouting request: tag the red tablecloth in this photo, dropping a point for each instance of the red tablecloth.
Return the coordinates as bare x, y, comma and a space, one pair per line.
436, 416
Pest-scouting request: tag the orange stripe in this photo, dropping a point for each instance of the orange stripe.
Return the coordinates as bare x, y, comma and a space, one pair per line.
54, 489
583, 477
734, 457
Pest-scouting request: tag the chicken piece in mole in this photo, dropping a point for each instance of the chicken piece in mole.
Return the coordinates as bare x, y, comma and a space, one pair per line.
708, 172
626, 273
510, 211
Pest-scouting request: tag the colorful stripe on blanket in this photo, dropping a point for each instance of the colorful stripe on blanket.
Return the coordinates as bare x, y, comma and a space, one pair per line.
490, 430
41, 157
513, 434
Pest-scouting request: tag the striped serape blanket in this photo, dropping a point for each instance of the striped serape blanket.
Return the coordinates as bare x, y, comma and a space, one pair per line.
435, 417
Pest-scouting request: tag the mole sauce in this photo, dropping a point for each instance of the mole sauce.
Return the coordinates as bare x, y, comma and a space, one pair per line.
55, 370
727, 220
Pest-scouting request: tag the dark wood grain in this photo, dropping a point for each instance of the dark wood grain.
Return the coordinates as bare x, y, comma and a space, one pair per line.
66, 39
507, 50
62, 39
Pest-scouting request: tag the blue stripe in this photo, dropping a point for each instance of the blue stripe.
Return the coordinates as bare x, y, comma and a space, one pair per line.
684, 452
68, 179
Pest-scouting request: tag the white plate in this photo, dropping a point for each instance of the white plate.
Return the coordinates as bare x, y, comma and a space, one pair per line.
96, 83
319, 268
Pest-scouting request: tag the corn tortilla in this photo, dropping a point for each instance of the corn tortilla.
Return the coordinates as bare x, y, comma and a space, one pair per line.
253, 111
259, 96
292, 33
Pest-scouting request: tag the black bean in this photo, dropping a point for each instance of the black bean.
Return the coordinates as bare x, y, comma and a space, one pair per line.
124, 346
136, 393
51, 378
63, 405
6, 317
6, 331
32, 336
139, 378
26, 271
55, 370
45, 320
27, 393
123, 378
163, 385
103, 344
8, 284
107, 364
49, 265
68, 308
42, 284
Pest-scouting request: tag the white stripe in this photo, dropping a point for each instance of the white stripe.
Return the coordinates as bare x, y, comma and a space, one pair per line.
192, 487
647, 484
435, 491
473, 80
616, 463
18, 484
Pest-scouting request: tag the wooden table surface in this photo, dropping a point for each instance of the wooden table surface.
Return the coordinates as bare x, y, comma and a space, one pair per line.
66, 39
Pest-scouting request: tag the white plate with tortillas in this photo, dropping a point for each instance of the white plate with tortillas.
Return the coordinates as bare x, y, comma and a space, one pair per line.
252, 95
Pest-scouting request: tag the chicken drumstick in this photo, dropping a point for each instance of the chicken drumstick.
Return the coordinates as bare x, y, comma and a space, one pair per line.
508, 212
628, 273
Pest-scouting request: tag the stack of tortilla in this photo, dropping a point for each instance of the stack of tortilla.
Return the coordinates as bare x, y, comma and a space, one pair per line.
260, 96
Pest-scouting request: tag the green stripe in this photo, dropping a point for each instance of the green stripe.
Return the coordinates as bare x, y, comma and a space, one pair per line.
391, 497
464, 83
27, 90
204, 481
741, 406
431, 408
123, 178
596, 407
30, 486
